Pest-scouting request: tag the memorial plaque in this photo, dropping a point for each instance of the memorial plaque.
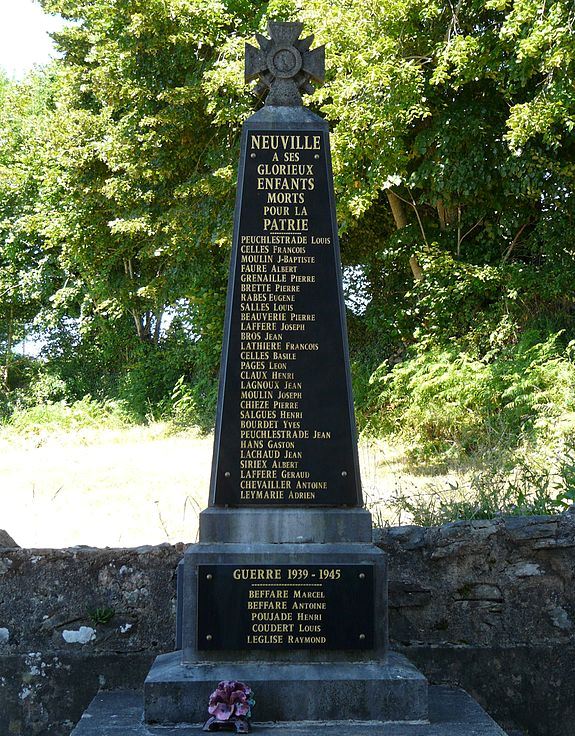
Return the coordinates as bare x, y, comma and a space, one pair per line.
285, 607
285, 432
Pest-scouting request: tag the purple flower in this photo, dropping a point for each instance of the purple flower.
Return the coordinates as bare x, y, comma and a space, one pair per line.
242, 709
231, 698
221, 711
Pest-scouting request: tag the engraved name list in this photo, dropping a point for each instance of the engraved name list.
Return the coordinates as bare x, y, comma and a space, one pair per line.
285, 607
288, 434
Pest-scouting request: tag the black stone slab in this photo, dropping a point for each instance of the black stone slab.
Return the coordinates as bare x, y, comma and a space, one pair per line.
285, 430
452, 712
285, 607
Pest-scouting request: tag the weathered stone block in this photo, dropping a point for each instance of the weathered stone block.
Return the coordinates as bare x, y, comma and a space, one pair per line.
392, 690
6, 540
497, 650
452, 713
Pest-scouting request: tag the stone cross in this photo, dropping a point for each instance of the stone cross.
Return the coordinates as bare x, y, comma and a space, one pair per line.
284, 64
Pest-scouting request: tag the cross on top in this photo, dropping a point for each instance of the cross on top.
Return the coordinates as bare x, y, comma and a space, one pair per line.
284, 64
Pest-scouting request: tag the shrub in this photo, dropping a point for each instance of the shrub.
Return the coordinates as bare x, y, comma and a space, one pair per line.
447, 404
530, 488
59, 415
192, 404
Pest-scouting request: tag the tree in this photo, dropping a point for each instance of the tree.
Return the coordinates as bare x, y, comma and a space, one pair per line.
28, 272
135, 192
453, 156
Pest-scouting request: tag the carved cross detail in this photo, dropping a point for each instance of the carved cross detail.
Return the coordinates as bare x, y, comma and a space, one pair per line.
284, 65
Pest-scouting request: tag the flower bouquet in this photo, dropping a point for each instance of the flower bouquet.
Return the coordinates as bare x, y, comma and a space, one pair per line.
230, 707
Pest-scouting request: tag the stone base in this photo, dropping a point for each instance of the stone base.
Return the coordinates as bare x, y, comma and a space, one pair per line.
451, 713
288, 526
393, 690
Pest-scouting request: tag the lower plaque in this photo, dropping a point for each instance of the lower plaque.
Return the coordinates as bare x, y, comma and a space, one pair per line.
285, 607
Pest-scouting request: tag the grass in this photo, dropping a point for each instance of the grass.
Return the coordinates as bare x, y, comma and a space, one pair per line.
476, 437
143, 485
102, 486
127, 486
458, 439
61, 416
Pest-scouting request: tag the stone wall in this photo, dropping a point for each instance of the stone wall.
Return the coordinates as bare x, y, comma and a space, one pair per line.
75, 620
490, 606
487, 605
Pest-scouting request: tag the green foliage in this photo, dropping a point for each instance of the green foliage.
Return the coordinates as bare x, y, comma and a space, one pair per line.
193, 405
47, 388
117, 185
447, 404
87, 413
27, 272
101, 614
149, 378
139, 203
183, 404
530, 488
419, 96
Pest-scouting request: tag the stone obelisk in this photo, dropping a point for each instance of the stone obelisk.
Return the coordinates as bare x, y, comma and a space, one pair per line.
285, 431
285, 590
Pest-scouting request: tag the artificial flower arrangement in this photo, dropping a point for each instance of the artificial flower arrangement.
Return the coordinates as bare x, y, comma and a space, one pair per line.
230, 707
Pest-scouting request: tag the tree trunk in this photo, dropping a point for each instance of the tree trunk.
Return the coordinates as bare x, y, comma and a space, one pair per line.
158, 326
144, 323
398, 212
416, 269
442, 215
396, 209
8, 356
139, 325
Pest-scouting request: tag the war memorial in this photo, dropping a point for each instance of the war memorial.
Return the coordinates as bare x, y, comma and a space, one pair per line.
284, 597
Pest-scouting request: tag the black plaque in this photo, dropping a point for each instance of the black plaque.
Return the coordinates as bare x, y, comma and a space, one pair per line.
285, 607
285, 431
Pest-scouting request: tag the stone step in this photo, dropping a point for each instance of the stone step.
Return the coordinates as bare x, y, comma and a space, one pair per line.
391, 689
452, 712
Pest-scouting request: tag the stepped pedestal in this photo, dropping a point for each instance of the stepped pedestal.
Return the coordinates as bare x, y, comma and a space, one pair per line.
451, 713
295, 684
